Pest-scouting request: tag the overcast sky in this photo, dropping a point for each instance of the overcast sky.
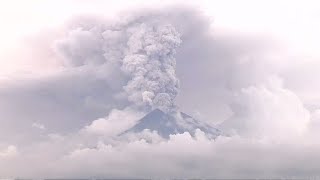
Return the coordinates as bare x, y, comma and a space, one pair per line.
75, 73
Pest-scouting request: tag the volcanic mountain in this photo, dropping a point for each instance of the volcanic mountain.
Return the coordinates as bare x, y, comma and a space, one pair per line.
172, 123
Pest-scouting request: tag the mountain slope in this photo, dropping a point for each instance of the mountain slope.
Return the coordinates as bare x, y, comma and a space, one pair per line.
173, 123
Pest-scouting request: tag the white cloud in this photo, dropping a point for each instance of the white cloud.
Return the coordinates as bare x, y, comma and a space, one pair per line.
268, 110
10, 151
182, 156
39, 126
115, 123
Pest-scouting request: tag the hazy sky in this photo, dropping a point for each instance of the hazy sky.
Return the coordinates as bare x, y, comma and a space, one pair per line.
74, 74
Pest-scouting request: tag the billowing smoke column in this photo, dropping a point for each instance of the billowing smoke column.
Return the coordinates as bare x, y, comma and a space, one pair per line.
142, 50
151, 65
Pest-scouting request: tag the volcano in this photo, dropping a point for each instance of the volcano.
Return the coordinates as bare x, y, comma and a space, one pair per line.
172, 123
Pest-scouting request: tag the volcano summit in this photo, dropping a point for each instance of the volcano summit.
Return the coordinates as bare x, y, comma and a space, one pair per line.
172, 123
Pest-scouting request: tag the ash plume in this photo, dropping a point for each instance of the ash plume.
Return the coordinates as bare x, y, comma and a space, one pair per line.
151, 65
142, 50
